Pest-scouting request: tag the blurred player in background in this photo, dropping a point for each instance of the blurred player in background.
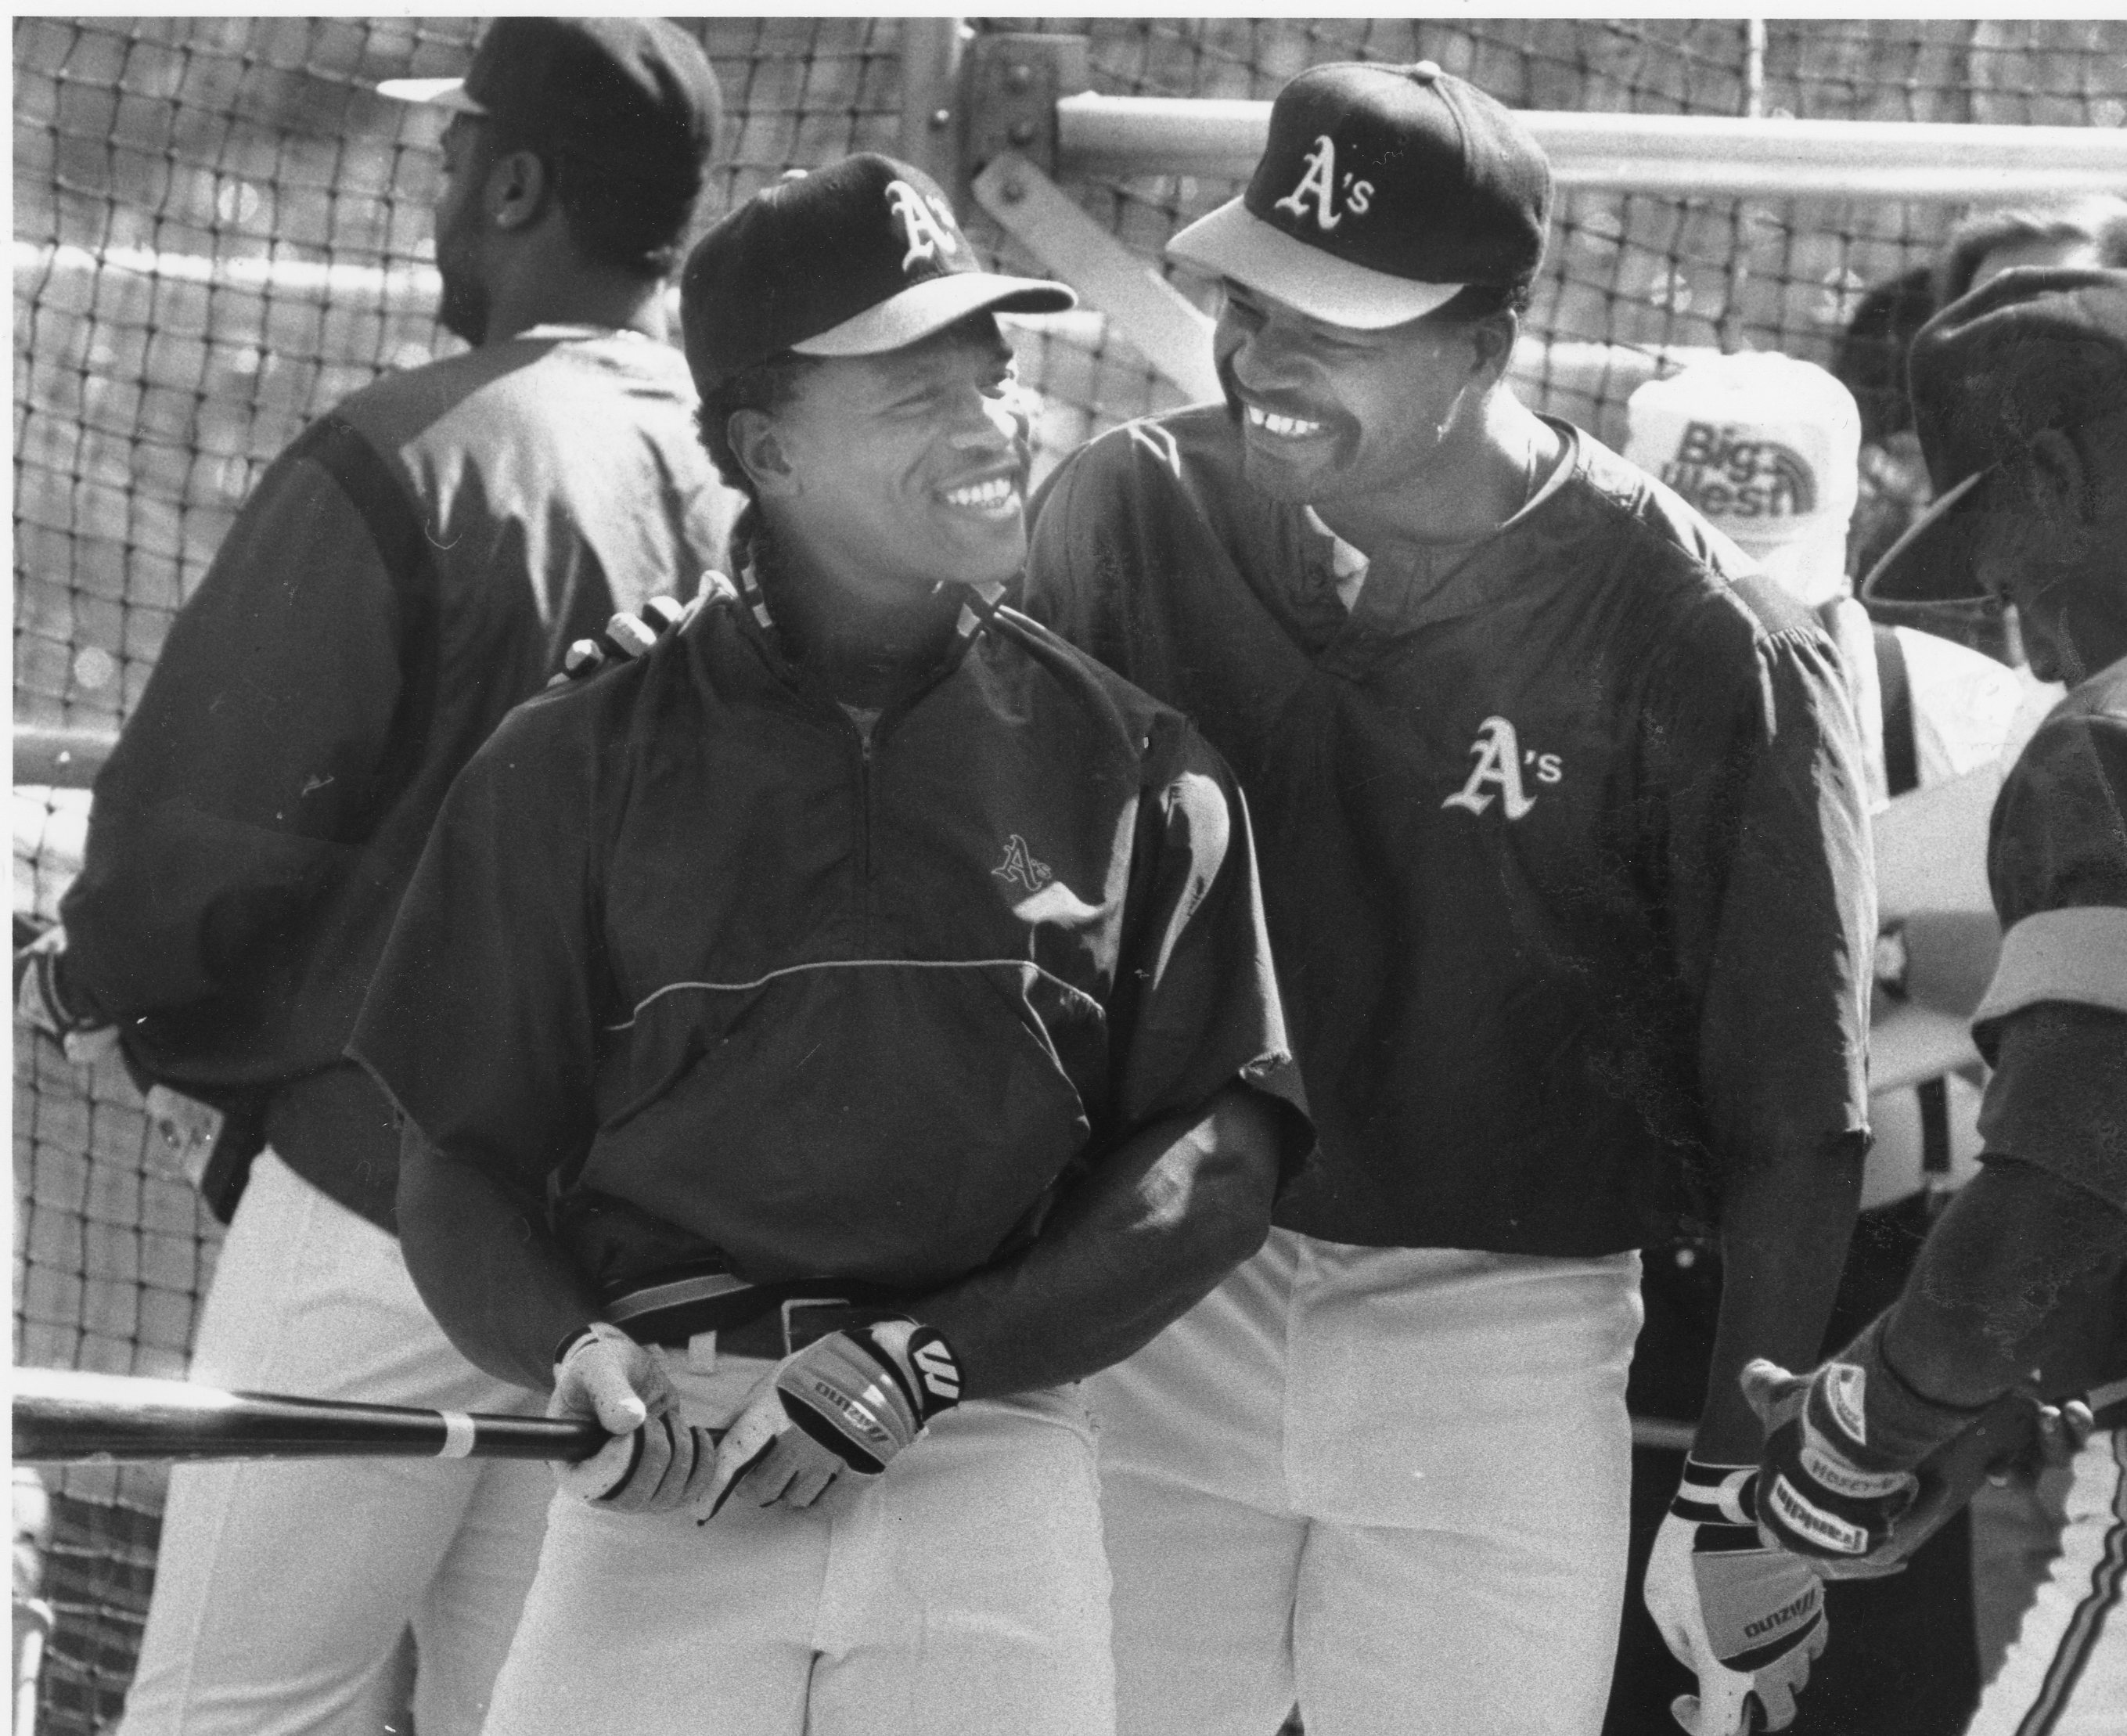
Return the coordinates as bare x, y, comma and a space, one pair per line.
841, 1027
1566, 856
1871, 361
2021, 396
2088, 231
1765, 447
404, 573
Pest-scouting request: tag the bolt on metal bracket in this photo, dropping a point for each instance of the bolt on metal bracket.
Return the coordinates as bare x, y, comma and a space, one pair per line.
1013, 82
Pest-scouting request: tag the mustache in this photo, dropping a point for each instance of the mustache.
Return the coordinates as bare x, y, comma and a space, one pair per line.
1237, 402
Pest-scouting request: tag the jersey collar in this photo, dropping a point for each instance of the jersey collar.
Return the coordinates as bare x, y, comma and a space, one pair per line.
750, 540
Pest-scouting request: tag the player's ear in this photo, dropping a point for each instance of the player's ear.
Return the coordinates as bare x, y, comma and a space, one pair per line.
2054, 476
1492, 343
754, 444
517, 182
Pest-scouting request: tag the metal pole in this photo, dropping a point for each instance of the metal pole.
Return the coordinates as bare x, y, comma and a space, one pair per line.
1739, 254
931, 119
1681, 155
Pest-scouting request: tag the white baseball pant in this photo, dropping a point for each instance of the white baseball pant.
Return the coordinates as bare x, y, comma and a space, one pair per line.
2066, 1674
963, 1593
283, 1588
1391, 1484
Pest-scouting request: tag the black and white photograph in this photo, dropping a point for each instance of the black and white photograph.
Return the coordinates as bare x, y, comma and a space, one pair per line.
1190, 875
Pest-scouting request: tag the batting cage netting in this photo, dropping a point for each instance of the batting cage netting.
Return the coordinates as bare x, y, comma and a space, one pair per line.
220, 229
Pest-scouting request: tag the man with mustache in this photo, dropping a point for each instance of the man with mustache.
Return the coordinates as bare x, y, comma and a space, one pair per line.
1564, 856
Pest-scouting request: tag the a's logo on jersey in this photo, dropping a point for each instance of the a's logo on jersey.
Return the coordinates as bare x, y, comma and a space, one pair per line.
926, 226
1320, 184
1020, 864
1498, 772
1727, 475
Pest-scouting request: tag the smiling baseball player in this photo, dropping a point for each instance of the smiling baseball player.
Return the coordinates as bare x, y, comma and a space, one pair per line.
1565, 862
836, 1028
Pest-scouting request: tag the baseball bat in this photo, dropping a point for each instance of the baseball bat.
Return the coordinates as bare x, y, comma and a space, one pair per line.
59, 1415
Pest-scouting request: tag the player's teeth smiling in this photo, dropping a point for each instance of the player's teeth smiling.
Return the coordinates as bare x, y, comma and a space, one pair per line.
988, 495
1286, 428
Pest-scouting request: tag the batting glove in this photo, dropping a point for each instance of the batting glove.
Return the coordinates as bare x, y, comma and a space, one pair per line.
39, 1005
626, 637
1842, 1449
649, 1464
1745, 1618
845, 1404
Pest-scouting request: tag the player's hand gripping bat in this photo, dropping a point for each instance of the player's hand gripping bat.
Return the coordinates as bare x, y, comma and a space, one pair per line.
62, 1415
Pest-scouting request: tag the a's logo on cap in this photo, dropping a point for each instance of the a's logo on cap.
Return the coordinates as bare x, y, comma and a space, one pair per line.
1726, 474
925, 225
1319, 183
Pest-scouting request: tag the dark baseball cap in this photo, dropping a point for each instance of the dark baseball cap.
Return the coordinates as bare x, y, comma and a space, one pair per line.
858, 257
634, 96
2033, 348
1383, 192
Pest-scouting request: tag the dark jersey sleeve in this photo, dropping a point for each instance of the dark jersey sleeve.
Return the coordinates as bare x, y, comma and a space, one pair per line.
1197, 1005
1769, 885
2054, 1020
240, 789
481, 1022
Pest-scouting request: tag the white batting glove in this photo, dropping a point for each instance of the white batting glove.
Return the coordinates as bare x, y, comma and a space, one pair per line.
1745, 1618
627, 637
40, 1005
843, 1406
650, 1462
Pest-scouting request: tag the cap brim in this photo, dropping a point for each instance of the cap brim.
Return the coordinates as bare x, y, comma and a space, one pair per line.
1233, 242
448, 93
931, 306
1932, 562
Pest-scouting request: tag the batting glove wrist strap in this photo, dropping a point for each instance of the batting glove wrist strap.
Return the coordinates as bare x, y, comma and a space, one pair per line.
866, 1393
1839, 1468
1717, 1495
569, 1341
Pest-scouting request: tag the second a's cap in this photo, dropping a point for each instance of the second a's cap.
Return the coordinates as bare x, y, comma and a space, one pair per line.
854, 259
1384, 191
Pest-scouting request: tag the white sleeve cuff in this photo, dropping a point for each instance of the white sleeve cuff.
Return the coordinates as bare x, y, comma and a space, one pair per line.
2078, 954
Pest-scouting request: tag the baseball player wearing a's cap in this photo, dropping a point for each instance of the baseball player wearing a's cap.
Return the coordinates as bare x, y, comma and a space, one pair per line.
412, 567
842, 1028
1766, 448
1564, 853
2019, 392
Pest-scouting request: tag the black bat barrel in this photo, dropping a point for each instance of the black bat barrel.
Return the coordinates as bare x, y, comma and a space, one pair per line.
62, 1416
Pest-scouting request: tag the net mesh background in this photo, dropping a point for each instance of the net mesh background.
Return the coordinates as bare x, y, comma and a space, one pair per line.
220, 229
